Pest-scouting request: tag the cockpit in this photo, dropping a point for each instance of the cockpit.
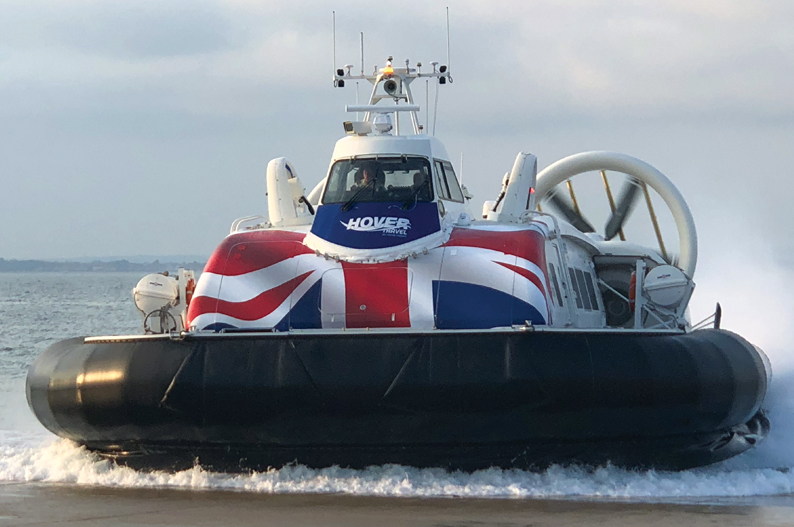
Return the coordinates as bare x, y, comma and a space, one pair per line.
402, 179
381, 207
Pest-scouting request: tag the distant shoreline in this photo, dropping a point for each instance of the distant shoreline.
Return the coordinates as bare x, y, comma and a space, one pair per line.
98, 266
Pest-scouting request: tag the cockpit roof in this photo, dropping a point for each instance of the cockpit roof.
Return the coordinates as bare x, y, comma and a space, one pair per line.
374, 145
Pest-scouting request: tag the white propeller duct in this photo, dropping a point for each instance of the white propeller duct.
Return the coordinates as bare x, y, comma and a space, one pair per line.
568, 167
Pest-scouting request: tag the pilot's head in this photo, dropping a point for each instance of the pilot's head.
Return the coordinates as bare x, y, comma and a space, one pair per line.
368, 174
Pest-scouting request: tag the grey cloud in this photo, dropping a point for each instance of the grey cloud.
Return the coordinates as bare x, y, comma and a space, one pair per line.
144, 30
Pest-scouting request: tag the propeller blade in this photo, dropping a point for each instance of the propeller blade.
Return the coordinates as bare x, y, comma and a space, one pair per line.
628, 198
573, 217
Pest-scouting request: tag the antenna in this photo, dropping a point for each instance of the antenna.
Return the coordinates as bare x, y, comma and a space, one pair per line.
435, 111
427, 106
362, 53
461, 168
448, 62
334, 37
358, 118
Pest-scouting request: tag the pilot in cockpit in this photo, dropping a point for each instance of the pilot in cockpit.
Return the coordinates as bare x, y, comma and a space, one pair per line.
367, 176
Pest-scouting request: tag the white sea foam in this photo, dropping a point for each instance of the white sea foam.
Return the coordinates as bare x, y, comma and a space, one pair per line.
26, 458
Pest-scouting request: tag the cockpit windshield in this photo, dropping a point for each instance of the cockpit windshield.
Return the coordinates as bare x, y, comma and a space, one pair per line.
404, 178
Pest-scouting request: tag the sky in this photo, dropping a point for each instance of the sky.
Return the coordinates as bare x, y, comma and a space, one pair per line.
146, 127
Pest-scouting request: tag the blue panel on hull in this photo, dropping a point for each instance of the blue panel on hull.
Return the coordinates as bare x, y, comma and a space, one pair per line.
305, 314
375, 225
468, 306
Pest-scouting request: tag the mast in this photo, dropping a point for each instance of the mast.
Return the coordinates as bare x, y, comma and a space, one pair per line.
391, 83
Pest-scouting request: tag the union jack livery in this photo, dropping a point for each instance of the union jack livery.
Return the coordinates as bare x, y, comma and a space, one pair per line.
269, 279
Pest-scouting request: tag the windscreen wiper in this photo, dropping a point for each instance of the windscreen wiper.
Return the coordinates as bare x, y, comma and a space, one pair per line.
354, 197
414, 195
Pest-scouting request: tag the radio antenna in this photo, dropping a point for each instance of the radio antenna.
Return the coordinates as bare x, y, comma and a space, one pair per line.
449, 66
427, 106
435, 111
333, 13
362, 53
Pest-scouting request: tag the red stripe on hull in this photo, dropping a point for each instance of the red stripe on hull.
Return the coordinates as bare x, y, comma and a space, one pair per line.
526, 273
250, 251
527, 243
254, 309
382, 291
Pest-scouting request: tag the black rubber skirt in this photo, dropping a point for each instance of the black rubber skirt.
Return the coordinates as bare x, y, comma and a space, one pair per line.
458, 400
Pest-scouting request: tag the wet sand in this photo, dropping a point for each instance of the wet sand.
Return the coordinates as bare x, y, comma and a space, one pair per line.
40, 504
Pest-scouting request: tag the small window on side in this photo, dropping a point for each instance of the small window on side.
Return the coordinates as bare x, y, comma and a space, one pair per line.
441, 182
455, 193
591, 291
583, 289
575, 287
555, 284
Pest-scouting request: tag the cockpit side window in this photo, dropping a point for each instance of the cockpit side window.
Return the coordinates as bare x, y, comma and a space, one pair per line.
404, 178
447, 182
455, 193
441, 182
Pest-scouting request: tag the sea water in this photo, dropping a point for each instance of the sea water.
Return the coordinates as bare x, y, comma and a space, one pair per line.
39, 309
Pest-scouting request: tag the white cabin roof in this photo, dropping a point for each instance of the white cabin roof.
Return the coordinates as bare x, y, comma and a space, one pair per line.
365, 145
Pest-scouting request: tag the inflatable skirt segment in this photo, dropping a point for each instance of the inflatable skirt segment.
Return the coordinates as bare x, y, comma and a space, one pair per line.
441, 399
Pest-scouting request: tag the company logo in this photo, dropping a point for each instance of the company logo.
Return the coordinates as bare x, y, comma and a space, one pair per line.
389, 226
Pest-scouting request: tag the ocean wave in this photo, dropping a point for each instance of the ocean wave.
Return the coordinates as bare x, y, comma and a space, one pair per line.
26, 458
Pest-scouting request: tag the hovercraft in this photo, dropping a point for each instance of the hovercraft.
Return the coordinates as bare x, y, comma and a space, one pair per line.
377, 319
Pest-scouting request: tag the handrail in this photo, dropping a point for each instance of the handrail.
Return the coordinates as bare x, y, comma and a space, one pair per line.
239, 221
